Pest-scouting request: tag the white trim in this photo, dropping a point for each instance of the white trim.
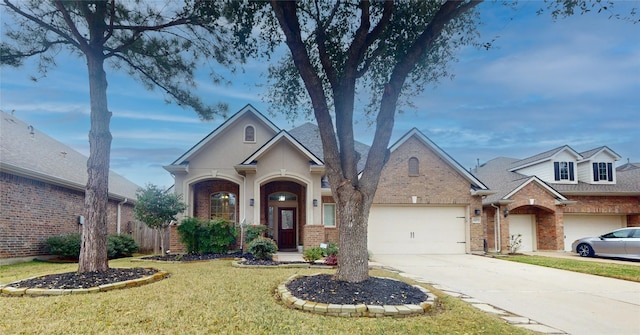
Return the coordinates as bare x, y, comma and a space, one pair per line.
283, 135
539, 182
415, 132
246, 109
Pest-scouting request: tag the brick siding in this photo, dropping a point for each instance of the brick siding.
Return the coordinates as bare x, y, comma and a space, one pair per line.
31, 211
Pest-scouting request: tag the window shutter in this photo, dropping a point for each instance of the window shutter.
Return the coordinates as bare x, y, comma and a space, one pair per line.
595, 172
556, 170
610, 171
571, 171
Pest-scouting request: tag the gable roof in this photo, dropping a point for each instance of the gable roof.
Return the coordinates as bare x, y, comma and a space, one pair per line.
501, 176
475, 182
283, 135
593, 152
245, 110
541, 157
538, 181
28, 152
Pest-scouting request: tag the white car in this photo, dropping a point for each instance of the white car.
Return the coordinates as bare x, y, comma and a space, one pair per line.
623, 243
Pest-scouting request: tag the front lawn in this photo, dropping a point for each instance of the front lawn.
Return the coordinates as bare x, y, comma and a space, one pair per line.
620, 271
211, 298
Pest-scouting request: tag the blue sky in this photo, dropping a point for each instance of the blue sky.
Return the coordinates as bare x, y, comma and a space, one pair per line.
544, 84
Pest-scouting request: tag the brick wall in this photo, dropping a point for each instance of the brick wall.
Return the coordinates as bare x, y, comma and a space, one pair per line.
31, 211
604, 205
313, 235
436, 183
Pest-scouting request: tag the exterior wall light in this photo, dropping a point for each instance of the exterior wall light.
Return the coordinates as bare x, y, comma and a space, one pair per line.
315, 202
251, 202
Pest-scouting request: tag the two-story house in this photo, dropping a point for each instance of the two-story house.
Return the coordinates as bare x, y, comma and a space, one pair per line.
556, 197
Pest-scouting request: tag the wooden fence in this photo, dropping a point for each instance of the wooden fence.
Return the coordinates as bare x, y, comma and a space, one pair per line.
148, 239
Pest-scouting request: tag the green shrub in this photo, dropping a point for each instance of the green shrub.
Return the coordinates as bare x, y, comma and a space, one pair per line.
188, 230
119, 246
311, 255
66, 246
199, 236
262, 248
218, 236
331, 250
254, 231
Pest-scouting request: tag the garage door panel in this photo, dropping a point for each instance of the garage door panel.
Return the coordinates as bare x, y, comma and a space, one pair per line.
579, 226
523, 224
416, 230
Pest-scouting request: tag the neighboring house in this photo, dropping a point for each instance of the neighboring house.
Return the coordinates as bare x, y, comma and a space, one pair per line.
42, 183
250, 171
558, 196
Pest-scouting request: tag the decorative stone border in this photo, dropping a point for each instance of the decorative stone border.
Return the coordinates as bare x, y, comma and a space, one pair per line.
238, 264
360, 310
7, 290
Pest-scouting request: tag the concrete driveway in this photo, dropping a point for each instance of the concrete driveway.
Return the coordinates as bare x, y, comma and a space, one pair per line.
571, 302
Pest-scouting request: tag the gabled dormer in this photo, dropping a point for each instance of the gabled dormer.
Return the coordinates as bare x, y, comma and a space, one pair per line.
554, 166
597, 166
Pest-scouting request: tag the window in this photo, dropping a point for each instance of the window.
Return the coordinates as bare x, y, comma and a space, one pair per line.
602, 171
414, 166
563, 170
223, 206
249, 134
329, 215
623, 233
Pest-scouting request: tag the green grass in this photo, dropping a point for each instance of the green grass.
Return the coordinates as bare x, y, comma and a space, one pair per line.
619, 271
212, 297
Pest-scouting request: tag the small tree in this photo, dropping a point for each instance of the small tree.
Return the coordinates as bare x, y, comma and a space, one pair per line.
157, 208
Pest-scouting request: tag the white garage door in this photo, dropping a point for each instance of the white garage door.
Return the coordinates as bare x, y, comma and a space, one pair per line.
417, 230
523, 224
579, 226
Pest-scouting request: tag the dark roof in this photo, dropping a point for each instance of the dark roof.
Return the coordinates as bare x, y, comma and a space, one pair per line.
497, 175
308, 134
25, 150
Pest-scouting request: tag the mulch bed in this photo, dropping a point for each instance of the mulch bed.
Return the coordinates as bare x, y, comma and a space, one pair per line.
318, 288
74, 280
248, 258
374, 291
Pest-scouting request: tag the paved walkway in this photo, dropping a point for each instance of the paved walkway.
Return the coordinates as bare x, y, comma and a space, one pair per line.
554, 301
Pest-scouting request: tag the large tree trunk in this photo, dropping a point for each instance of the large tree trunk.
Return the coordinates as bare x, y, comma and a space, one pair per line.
93, 252
353, 214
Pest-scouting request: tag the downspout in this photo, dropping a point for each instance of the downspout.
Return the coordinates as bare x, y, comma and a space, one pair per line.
119, 213
496, 229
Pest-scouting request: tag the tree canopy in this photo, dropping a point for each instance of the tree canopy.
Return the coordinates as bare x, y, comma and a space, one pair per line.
160, 44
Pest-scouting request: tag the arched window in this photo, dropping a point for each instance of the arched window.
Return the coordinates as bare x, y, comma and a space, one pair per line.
223, 206
249, 134
414, 166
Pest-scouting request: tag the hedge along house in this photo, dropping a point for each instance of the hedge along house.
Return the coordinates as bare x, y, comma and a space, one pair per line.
42, 183
558, 196
250, 171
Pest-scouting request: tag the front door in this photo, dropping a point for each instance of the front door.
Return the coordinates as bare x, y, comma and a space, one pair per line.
286, 228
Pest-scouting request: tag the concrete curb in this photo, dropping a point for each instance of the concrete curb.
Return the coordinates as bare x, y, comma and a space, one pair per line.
350, 311
6, 290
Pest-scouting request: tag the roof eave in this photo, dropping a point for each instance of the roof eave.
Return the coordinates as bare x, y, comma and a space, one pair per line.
27, 173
